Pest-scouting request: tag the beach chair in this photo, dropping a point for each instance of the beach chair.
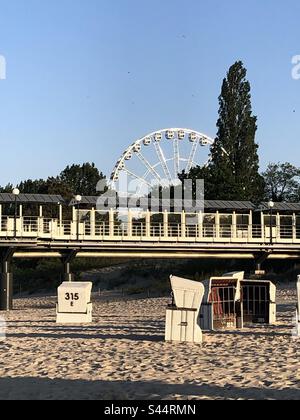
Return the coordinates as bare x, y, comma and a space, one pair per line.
182, 318
230, 302
74, 303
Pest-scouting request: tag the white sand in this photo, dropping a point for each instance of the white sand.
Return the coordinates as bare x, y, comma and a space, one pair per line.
122, 355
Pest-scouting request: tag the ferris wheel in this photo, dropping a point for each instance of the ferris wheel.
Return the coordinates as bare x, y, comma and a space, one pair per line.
159, 158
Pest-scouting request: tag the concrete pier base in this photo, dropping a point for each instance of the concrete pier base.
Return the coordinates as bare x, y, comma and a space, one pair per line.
6, 280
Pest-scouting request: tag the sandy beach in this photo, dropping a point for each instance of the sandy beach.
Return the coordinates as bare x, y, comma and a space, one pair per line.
123, 356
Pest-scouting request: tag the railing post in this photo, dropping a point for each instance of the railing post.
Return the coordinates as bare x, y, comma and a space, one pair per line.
129, 224
93, 222
234, 225
60, 211
263, 230
278, 229
183, 224
148, 224
217, 225
294, 228
19, 227
73, 229
166, 224
74, 214
10, 226
200, 225
60, 230
40, 222
111, 223
250, 227
54, 229
20, 221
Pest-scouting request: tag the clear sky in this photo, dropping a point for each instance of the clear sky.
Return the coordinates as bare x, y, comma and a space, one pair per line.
85, 78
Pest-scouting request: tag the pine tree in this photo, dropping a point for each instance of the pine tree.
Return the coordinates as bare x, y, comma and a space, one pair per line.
234, 168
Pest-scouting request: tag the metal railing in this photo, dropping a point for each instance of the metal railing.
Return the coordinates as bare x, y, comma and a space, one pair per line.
4, 223
39, 227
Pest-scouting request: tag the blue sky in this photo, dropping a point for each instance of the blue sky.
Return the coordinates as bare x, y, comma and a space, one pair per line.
87, 78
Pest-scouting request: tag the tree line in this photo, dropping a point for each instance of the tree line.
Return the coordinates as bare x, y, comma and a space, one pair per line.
74, 179
233, 171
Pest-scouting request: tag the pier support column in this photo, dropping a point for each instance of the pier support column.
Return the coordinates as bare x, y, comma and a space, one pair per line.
67, 260
259, 260
6, 280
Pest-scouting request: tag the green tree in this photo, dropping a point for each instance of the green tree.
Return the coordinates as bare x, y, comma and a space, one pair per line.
75, 179
282, 181
81, 179
200, 172
233, 172
33, 187
7, 189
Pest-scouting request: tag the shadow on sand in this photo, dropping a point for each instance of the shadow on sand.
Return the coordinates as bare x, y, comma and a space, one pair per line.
46, 389
53, 336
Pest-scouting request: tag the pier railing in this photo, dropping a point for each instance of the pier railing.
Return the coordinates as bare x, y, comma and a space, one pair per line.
112, 230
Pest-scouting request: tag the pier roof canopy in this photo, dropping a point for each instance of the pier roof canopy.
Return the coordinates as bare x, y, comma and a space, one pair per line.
91, 201
6, 198
212, 205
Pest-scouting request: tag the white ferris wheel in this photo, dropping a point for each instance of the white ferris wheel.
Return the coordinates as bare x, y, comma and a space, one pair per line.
159, 158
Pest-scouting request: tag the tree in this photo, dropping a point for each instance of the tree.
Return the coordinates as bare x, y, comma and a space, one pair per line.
81, 179
282, 182
233, 173
7, 189
75, 179
200, 172
29, 186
